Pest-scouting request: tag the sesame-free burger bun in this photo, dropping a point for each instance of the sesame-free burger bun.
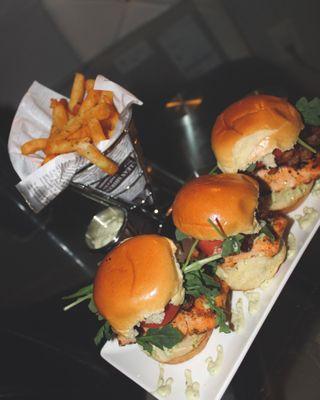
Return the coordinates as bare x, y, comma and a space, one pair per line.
251, 129
230, 198
137, 279
251, 273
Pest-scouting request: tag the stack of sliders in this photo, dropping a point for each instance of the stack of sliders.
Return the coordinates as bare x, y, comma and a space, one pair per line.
259, 135
169, 298
219, 215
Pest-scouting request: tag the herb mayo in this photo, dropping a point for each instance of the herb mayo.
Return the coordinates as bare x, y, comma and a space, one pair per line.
292, 245
238, 316
308, 217
253, 302
214, 366
164, 386
192, 388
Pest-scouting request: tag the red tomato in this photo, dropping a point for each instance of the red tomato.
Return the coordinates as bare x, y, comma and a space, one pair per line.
277, 153
210, 247
170, 312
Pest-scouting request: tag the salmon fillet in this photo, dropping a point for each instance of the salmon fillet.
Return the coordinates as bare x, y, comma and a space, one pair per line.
289, 177
262, 246
200, 318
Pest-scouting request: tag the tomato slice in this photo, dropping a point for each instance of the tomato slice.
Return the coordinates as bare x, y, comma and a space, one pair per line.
210, 247
277, 153
170, 312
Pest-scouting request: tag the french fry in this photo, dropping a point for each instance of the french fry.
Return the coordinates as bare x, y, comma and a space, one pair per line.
34, 145
96, 131
77, 91
89, 85
106, 97
59, 114
108, 125
73, 124
90, 101
90, 152
80, 133
61, 146
99, 112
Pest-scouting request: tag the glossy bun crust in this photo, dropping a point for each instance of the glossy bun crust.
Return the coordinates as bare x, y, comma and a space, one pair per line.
136, 279
230, 198
252, 128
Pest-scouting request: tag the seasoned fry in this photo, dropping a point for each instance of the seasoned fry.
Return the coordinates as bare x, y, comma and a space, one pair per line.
89, 85
99, 112
73, 124
77, 91
59, 114
61, 146
90, 152
96, 131
106, 97
80, 133
90, 101
33, 146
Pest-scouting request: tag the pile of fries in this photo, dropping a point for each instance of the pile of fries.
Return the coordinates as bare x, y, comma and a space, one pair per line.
79, 125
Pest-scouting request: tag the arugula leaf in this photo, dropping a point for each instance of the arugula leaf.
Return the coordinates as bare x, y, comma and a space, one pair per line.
92, 307
310, 110
232, 245
251, 167
197, 283
267, 232
81, 292
194, 245
165, 337
216, 228
86, 293
104, 332
220, 314
214, 171
197, 265
306, 145
180, 235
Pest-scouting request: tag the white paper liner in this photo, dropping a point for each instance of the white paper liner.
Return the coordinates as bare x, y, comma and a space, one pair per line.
41, 184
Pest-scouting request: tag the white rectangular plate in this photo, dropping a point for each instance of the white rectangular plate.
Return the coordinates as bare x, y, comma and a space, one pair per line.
132, 361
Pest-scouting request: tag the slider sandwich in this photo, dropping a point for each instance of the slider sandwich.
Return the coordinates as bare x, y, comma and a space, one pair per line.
218, 215
259, 135
146, 298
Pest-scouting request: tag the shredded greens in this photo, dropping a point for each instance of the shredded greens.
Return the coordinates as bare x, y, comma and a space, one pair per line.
232, 245
220, 314
86, 293
165, 337
251, 167
198, 283
180, 235
310, 110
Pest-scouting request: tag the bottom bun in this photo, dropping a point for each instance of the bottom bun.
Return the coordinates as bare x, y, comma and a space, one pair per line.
251, 273
289, 199
190, 346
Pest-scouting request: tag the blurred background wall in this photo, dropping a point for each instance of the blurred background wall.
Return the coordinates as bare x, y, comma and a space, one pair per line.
149, 45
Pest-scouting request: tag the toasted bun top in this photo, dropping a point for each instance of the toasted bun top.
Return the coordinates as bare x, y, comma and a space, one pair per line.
136, 279
251, 129
230, 198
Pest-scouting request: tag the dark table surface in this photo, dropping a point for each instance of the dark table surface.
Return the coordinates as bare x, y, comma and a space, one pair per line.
47, 353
